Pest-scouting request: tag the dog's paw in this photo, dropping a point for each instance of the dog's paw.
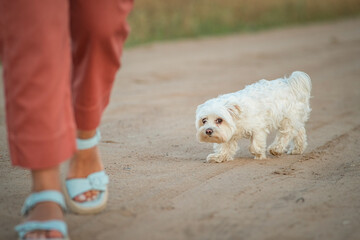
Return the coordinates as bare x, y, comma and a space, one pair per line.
213, 158
294, 151
276, 150
217, 158
260, 156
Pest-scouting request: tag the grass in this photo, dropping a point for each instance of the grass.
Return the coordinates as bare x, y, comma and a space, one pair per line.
156, 20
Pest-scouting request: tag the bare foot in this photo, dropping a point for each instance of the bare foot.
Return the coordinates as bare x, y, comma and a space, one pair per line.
42, 212
84, 163
46, 179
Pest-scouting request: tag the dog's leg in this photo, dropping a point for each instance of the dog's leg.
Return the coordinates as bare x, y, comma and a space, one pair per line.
283, 138
223, 152
299, 142
258, 145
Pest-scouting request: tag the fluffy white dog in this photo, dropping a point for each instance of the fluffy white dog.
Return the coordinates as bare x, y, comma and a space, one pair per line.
253, 112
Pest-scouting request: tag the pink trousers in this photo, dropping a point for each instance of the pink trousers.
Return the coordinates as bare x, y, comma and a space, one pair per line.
59, 62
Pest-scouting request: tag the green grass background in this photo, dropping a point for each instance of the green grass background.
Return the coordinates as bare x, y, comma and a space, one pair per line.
157, 20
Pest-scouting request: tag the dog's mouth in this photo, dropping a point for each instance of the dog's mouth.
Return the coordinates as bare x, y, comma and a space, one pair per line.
211, 139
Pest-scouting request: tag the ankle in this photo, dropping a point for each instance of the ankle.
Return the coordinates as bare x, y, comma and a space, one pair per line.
82, 134
84, 163
46, 179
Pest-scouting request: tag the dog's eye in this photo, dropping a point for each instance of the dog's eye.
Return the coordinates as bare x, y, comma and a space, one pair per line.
219, 121
204, 121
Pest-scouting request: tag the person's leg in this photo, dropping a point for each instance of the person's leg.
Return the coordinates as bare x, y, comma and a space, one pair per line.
35, 53
98, 31
36, 61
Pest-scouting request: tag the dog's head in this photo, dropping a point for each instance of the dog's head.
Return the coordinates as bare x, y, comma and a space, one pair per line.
215, 121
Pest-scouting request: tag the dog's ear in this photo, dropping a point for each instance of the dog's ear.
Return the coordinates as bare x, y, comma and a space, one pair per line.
198, 117
198, 109
234, 110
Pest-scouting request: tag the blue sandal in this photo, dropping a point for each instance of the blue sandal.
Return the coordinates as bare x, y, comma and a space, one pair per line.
95, 181
30, 226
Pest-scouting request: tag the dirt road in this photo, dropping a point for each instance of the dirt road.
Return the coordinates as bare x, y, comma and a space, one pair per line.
161, 189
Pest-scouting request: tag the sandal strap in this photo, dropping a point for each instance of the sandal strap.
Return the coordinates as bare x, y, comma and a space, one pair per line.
30, 226
88, 143
43, 196
95, 181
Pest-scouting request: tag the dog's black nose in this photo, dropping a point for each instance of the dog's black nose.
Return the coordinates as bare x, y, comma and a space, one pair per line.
209, 131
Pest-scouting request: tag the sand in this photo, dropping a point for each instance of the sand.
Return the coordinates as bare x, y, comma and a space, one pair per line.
161, 188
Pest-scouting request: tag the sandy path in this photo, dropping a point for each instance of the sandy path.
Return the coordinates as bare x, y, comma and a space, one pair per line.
160, 187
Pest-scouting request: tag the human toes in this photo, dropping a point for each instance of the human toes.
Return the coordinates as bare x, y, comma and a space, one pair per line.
53, 234
35, 235
94, 194
87, 196
91, 195
80, 198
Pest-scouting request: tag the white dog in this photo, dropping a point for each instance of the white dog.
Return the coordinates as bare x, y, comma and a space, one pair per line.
281, 104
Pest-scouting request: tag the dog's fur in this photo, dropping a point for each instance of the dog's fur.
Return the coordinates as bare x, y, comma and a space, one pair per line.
281, 104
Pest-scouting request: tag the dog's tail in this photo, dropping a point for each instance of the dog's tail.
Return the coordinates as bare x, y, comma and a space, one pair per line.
300, 84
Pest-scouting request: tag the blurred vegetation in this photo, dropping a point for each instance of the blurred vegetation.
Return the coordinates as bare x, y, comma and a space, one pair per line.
154, 20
